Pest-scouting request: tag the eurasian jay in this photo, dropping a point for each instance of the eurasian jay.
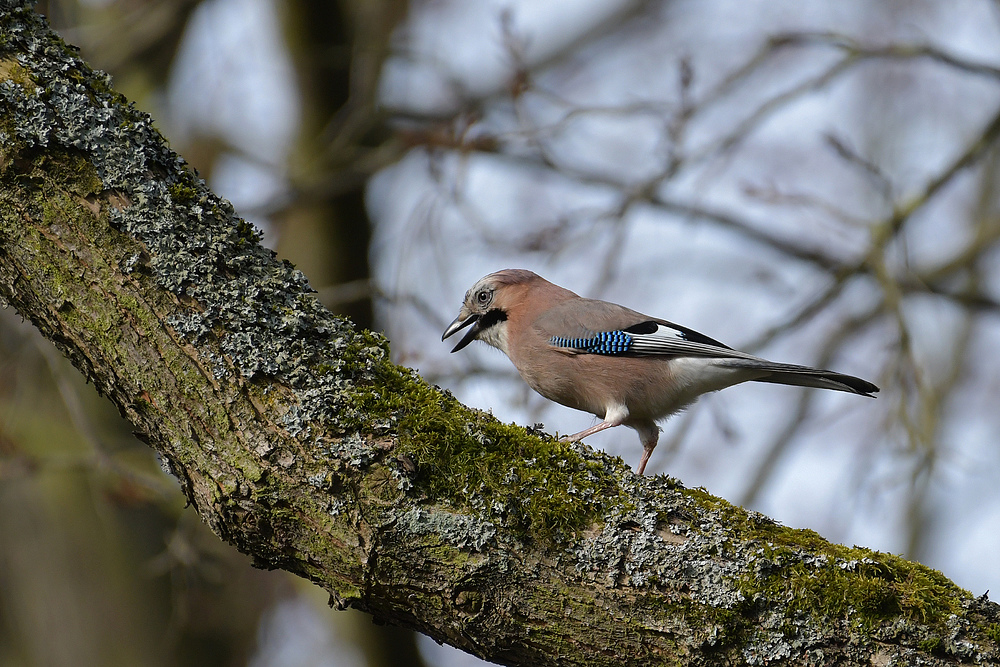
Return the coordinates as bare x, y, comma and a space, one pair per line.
599, 357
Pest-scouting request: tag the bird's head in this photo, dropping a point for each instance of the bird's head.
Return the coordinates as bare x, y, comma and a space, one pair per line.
486, 307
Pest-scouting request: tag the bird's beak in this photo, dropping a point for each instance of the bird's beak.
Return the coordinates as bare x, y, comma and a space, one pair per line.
463, 320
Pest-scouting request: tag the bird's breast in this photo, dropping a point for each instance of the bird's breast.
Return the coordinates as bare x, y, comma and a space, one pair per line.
596, 383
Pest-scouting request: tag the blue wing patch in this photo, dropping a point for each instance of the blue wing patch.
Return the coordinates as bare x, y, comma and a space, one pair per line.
657, 338
605, 342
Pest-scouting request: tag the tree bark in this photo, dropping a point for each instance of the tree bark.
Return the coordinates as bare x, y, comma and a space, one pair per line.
300, 443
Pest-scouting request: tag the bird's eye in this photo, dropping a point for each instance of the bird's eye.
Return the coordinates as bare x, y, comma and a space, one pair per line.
484, 297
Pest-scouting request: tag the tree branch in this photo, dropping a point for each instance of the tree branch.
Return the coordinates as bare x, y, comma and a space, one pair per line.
302, 445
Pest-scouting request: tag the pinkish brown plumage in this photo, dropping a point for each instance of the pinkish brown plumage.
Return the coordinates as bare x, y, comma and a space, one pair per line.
620, 365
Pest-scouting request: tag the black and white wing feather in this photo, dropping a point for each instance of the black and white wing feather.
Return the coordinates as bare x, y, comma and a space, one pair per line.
659, 338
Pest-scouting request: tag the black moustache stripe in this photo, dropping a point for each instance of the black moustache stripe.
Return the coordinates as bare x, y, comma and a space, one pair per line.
491, 318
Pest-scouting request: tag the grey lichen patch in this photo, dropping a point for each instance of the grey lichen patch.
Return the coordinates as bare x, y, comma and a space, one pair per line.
354, 449
460, 530
246, 312
630, 548
12, 75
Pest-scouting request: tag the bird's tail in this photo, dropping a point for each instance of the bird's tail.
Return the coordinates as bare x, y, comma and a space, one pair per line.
804, 376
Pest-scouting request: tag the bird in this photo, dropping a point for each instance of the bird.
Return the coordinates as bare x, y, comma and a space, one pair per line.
624, 367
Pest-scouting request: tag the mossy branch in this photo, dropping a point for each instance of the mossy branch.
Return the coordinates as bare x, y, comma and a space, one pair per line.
302, 445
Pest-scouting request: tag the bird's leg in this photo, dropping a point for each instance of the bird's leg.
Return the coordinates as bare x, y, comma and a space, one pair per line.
615, 415
596, 428
647, 449
649, 435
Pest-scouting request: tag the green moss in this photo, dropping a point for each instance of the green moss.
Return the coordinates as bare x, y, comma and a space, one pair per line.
533, 484
992, 632
11, 70
824, 580
933, 644
74, 175
183, 193
861, 586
